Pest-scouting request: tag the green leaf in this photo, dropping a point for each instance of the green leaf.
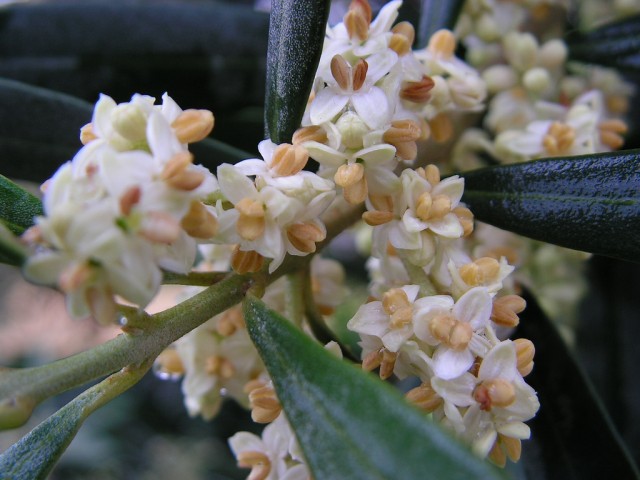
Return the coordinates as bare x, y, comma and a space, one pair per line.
572, 434
350, 424
35, 455
589, 202
614, 45
211, 153
42, 132
296, 35
18, 207
434, 15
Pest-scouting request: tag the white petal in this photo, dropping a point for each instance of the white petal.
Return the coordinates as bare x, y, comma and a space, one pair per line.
413, 223
386, 16
396, 337
449, 226
325, 155
515, 430
379, 65
234, 185
327, 104
377, 154
500, 362
161, 138
457, 390
246, 442
448, 363
251, 167
370, 319
373, 107
474, 307
452, 187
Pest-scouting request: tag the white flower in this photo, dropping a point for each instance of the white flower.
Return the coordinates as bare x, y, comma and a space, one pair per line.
455, 329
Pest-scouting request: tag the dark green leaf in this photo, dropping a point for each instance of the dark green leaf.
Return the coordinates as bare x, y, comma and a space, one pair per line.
42, 131
211, 153
18, 207
296, 35
615, 45
434, 15
589, 202
572, 435
35, 455
350, 424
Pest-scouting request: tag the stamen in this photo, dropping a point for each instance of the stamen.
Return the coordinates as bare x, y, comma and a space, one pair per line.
264, 403
160, 227
341, 71
102, 305
442, 44
246, 261
424, 397
230, 321
388, 364
219, 366
251, 223
169, 362
525, 351
74, 276
87, 134
198, 222
559, 138
177, 175
496, 392
394, 300
359, 74
289, 159
193, 125
377, 217
304, 236
357, 19
441, 127
130, 198
465, 217
418, 92
611, 132
258, 462
482, 271
314, 133
505, 310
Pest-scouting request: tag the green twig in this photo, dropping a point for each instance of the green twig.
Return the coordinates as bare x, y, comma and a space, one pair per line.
196, 279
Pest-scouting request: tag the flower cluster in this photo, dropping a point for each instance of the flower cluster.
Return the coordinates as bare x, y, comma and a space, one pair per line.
128, 204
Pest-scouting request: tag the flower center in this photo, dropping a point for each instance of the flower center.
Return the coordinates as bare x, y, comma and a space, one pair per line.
495, 392
559, 138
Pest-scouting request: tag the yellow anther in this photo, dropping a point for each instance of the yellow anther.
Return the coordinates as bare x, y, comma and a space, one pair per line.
251, 222
377, 217
372, 360
460, 336
418, 92
423, 206
258, 462
388, 364
495, 392
313, 133
505, 310
359, 74
198, 222
177, 175
432, 174
289, 159
402, 131
348, 174
424, 397
87, 134
304, 236
357, 19
497, 455
394, 300
129, 199
482, 271
193, 125
383, 203
219, 366
160, 227
465, 217
611, 132
357, 192
264, 403
169, 362
402, 39
246, 261
525, 351
441, 127
440, 327
512, 446
559, 138
341, 71
230, 321
442, 44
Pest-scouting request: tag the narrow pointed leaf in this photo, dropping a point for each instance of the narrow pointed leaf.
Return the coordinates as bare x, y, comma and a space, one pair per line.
36, 454
18, 208
572, 435
434, 15
296, 35
350, 424
614, 45
42, 132
589, 202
